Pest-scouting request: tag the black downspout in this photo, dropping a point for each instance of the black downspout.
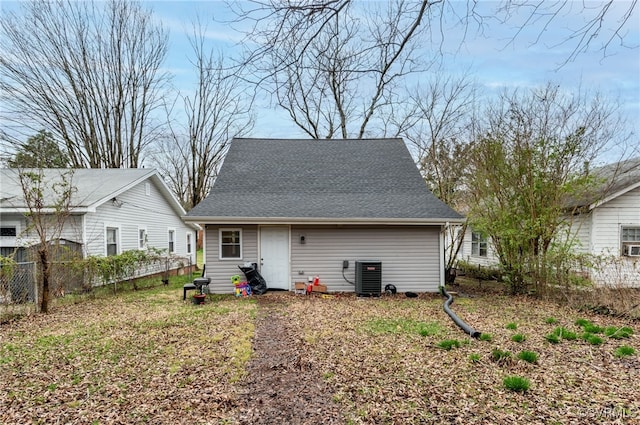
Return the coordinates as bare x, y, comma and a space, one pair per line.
461, 324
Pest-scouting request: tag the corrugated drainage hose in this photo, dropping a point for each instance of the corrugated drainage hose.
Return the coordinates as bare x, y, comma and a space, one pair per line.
461, 324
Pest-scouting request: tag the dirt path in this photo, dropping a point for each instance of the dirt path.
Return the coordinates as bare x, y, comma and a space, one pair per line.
283, 385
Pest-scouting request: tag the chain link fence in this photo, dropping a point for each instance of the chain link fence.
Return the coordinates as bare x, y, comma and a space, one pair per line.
19, 286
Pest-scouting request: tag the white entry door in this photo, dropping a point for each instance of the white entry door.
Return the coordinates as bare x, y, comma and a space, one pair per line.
274, 256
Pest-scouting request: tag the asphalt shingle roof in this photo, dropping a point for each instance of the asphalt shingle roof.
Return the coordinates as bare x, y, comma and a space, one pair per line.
611, 179
323, 179
91, 185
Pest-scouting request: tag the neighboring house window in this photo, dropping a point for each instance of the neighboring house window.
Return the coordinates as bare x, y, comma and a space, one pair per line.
478, 244
172, 241
8, 231
188, 243
142, 238
231, 243
112, 241
631, 241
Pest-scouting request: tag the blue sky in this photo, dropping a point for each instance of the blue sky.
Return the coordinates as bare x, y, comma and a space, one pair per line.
532, 60
492, 60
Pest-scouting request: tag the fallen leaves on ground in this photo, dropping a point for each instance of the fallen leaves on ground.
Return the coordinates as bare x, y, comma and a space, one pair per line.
351, 360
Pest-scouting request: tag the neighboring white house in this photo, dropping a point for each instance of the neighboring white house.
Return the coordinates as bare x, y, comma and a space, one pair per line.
605, 224
112, 211
301, 208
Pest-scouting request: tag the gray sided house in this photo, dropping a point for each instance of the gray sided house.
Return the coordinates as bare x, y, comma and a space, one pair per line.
300, 208
112, 211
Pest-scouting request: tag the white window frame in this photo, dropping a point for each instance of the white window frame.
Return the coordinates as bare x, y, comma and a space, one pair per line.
143, 243
171, 241
106, 239
478, 243
147, 188
220, 244
189, 243
624, 242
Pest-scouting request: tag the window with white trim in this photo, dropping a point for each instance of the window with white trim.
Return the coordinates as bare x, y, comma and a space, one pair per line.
478, 244
630, 241
111, 238
230, 243
188, 243
172, 241
143, 238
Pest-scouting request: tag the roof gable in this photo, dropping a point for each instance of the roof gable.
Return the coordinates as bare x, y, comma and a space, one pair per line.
321, 179
614, 180
93, 186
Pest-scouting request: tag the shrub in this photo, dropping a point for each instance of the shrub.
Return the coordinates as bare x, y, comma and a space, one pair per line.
512, 326
518, 338
448, 344
624, 351
528, 356
516, 383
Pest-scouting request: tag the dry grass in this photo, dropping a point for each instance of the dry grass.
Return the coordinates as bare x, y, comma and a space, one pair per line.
147, 357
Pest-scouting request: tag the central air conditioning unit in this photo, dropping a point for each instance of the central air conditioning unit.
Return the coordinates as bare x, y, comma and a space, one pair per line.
633, 250
368, 278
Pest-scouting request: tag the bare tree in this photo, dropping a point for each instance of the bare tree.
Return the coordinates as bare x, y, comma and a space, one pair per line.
217, 111
437, 129
48, 204
91, 75
334, 67
603, 24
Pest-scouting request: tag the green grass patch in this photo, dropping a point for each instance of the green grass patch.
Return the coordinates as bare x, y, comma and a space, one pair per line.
516, 383
511, 326
403, 326
618, 333
518, 338
552, 338
551, 320
563, 333
528, 356
593, 329
485, 337
594, 339
474, 358
582, 322
500, 356
624, 351
449, 344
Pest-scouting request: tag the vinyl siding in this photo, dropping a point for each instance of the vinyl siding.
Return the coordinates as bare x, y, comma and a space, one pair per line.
409, 255
220, 271
138, 210
609, 218
607, 222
